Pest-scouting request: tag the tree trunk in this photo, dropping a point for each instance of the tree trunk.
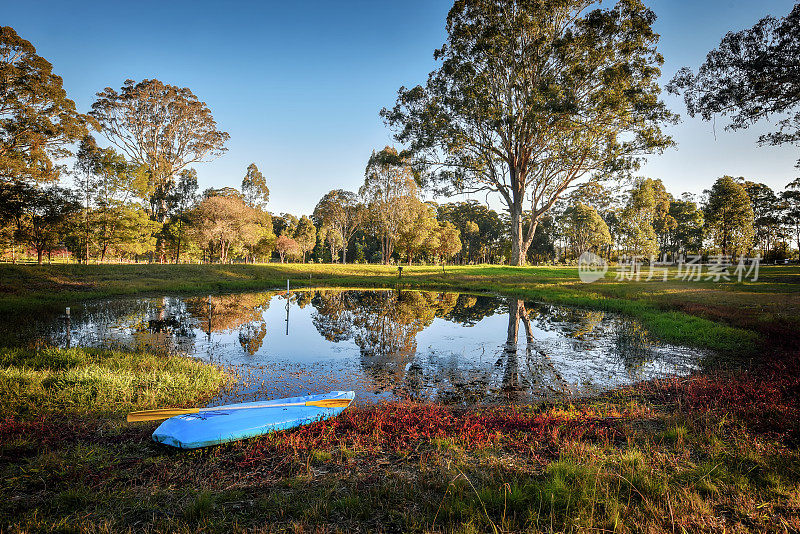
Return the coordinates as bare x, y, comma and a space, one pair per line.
178, 244
797, 231
518, 251
39, 256
86, 212
515, 198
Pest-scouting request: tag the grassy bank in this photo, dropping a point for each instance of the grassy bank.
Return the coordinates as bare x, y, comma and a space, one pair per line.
672, 456
63, 413
93, 382
725, 316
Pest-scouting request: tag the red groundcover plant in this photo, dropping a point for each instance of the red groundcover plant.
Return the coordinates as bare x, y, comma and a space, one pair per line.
402, 427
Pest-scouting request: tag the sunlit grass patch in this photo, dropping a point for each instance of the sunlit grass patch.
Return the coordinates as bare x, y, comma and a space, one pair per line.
34, 381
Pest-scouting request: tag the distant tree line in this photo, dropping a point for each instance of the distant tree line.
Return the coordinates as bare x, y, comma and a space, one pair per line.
735, 217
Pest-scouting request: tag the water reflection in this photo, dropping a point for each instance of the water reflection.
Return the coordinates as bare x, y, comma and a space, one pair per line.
449, 347
540, 377
385, 325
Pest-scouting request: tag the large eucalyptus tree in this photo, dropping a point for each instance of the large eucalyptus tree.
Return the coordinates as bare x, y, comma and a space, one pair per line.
342, 213
532, 96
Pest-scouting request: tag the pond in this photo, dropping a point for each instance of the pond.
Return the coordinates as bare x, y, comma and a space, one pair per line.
384, 344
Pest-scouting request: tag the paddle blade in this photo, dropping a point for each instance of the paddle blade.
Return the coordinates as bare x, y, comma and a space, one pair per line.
161, 413
330, 403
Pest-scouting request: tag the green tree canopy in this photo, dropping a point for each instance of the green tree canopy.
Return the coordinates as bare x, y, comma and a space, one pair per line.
687, 234
767, 214
305, 235
107, 184
219, 223
46, 214
446, 242
663, 221
419, 224
481, 228
729, 217
637, 219
389, 186
342, 213
791, 199
182, 198
753, 74
284, 224
162, 127
586, 230
254, 188
531, 96
37, 120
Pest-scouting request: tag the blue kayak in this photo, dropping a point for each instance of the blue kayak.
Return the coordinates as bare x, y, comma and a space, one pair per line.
222, 424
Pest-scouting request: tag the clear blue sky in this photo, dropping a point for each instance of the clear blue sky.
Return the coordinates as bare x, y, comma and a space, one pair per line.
298, 85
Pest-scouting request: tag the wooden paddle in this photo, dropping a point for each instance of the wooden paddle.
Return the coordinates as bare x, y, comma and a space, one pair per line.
165, 413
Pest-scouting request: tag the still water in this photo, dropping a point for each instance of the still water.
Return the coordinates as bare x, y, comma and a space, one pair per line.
385, 344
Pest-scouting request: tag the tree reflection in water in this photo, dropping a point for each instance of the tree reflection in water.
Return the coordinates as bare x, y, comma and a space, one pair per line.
512, 384
251, 336
229, 312
167, 328
632, 345
541, 378
384, 325
542, 351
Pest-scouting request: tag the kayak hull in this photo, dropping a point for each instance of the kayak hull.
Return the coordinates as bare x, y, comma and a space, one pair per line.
223, 424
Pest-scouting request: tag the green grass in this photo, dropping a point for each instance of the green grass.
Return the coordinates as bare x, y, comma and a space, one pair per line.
79, 381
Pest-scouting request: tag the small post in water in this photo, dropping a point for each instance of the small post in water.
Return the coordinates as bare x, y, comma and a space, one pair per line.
69, 329
287, 306
287, 315
209, 317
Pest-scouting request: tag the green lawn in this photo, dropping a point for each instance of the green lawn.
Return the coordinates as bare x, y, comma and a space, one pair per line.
708, 453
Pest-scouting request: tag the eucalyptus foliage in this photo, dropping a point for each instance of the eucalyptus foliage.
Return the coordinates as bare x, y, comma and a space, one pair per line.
163, 127
37, 120
532, 96
753, 74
